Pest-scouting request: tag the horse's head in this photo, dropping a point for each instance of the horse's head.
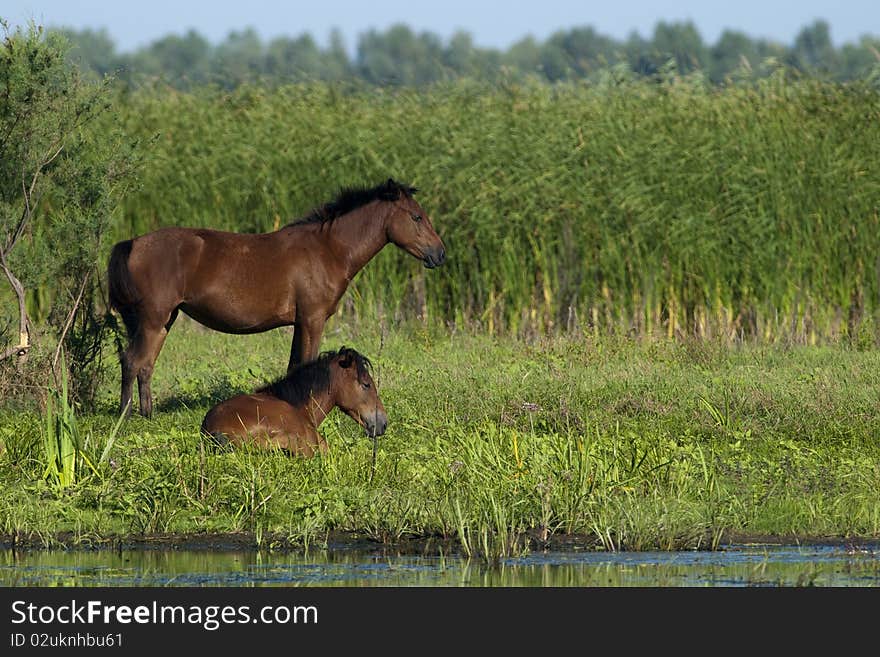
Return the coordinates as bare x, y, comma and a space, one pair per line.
356, 392
409, 227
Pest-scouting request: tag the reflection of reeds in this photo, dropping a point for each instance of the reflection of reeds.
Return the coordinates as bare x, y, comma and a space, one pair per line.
352, 567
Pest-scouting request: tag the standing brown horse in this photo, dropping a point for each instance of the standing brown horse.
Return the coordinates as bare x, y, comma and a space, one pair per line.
241, 283
288, 412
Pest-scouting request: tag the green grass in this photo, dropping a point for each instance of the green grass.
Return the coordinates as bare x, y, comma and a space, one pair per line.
656, 326
632, 444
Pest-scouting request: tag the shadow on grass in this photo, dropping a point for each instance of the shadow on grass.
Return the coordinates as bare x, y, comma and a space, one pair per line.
201, 399
165, 401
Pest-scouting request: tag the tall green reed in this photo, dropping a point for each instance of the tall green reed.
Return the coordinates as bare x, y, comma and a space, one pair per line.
629, 206
61, 440
68, 454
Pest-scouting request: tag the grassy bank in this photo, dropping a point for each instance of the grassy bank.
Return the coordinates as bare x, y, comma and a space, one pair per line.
631, 444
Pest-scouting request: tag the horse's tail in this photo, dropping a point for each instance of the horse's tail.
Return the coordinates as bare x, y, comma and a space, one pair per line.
123, 293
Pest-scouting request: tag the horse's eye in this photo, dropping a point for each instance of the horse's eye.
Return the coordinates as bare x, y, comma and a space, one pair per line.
366, 385
416, 217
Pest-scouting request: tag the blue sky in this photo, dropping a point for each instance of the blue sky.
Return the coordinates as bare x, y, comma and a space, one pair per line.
492, 23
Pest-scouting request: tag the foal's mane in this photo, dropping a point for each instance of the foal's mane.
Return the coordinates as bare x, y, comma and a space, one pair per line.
352, 198
313, 377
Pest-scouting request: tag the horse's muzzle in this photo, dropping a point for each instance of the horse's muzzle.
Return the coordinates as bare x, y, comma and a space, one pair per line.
376, 425
434, 258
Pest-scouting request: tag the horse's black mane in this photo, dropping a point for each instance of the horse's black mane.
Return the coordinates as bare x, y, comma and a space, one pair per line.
313, 377
354, 197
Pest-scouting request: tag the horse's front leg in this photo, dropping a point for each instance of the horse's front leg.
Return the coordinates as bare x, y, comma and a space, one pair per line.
306, 342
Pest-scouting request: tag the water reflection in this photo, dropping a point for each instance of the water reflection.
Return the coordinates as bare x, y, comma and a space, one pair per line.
734, 566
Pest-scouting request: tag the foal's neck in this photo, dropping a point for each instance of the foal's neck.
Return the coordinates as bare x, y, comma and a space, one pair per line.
320, 404
359, 235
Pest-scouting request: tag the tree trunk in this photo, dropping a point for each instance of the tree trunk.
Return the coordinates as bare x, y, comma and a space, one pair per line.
20, 350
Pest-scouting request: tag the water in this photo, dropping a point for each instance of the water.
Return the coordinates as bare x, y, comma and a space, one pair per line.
733, 566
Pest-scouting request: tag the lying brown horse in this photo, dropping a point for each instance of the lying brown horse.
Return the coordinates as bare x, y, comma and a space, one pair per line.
241, 283
288, 412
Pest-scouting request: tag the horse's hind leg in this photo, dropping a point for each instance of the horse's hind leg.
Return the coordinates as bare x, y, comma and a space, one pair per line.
133, 328
128, 374
145, 351
151, 346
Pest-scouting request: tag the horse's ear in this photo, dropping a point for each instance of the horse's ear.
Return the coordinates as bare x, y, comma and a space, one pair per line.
389, 190
345, 360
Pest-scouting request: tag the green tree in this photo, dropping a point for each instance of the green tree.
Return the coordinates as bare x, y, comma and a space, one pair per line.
585, 50
463, 58
239, 58
733, 51
524, 55
93, 50
180, 60
683, 43
57, 190
337, 65
294, 59
461, 55
301, 59
641, 56
400, 57
813, 50
858, 60
554, 62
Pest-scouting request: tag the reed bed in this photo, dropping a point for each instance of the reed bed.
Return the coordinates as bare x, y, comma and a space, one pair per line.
627, 206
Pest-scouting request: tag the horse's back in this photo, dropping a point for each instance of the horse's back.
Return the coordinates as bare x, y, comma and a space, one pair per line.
231, 282
165, 250
260, 419
181, 243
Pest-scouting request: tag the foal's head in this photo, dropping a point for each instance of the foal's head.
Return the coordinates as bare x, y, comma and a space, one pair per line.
345, 375
408, 225
355, 391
